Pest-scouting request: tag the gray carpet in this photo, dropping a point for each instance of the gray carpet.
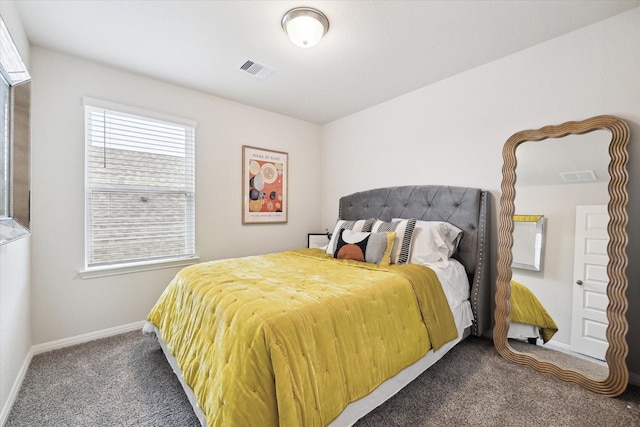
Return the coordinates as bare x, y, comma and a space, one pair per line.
123, 380
126, 381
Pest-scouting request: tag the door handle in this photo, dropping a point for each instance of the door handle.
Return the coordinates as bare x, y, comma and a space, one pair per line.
579, 282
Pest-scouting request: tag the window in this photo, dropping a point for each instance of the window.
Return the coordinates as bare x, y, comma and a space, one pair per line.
5, 147
140, 190
14, 140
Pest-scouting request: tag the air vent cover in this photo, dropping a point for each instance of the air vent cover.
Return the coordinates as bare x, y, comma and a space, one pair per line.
578, 176
260, 71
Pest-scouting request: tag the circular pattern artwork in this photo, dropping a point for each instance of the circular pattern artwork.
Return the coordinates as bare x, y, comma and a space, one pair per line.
265, 186
265, 180
269, 173
254, 167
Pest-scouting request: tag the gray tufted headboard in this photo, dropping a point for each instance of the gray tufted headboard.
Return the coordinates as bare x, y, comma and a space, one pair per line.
466, 208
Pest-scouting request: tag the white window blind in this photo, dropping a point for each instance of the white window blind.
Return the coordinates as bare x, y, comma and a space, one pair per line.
5, 147
140, 190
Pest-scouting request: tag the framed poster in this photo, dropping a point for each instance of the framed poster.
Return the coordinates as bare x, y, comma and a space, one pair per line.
265, 178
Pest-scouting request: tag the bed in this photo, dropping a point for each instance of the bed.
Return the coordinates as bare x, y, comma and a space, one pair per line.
528, 319
302, 338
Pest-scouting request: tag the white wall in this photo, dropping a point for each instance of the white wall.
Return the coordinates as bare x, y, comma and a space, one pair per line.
15, 293
452, 132
64, 305
15, 322
11, 18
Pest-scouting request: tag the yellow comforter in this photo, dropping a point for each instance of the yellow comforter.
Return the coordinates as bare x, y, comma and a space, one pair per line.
526, 308
291, 338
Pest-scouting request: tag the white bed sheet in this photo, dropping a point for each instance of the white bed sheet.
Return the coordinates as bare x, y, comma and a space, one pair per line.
522, 331
454, 280
455, 286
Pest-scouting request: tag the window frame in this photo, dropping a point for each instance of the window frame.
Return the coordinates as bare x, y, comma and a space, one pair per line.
14, 138
141, 265
6, 152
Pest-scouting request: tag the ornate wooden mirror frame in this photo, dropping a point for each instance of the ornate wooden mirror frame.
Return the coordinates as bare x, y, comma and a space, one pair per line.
618, 376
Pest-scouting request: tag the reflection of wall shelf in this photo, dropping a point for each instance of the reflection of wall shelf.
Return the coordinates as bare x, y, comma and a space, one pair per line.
528, 242
11, 230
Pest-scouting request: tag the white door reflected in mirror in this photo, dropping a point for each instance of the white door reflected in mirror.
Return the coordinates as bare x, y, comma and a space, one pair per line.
589, 321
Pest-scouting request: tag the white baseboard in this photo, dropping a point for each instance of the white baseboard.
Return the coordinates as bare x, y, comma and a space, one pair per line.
565, 348
13, 393
79, 339
55, 345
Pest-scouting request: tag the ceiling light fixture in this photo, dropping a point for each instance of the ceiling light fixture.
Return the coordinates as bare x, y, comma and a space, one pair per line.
305, 26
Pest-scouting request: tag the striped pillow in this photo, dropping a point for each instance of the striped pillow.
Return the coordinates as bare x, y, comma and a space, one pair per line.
403, 240
358, 225
434, 242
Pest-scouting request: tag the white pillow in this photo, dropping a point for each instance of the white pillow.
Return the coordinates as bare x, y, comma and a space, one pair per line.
404, 237
358, 225
434, 242
454, 280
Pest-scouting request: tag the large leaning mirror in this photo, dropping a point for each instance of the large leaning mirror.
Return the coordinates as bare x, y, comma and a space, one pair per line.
567, 318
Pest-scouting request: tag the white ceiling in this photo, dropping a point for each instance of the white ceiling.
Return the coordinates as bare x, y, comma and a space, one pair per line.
374, 50
542, 162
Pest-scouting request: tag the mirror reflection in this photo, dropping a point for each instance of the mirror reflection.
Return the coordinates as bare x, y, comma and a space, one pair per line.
528, 242
558, 312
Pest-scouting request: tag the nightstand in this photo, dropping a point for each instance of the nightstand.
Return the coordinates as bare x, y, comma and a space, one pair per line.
317, 240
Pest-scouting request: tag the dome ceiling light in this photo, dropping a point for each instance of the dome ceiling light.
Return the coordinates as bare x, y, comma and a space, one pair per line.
305, 26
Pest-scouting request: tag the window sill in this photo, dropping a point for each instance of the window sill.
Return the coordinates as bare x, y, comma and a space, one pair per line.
11, 230
94, 272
